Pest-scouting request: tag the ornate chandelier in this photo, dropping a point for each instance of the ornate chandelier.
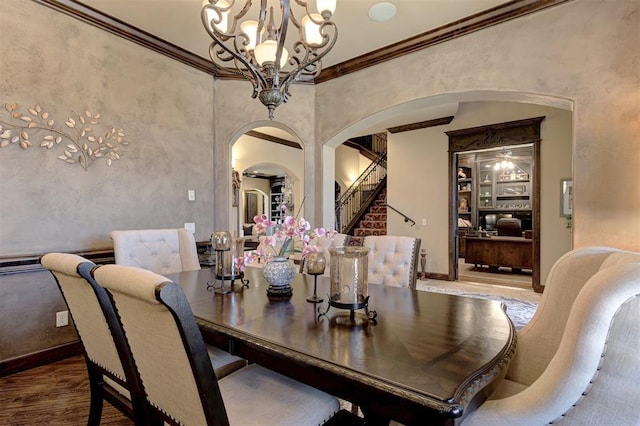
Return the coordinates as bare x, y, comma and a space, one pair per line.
256, 47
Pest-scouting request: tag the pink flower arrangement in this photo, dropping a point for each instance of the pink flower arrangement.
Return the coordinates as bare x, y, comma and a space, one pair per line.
284, 239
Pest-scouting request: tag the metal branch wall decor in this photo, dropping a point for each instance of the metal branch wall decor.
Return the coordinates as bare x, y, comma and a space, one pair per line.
83, 144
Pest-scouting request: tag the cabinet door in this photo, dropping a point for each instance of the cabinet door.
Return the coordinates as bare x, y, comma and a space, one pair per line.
486, 190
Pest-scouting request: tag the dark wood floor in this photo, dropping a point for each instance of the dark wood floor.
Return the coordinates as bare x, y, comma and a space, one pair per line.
58, 394
54, 394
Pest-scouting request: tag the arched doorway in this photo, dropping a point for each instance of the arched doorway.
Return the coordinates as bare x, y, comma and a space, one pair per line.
426, 159
266, 157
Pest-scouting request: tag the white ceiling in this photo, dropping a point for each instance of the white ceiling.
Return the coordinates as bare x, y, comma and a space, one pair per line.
178, 21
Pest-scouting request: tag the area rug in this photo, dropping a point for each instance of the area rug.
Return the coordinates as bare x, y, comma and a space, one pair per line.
520, 311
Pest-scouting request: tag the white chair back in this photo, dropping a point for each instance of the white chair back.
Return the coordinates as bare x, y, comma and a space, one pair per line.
538, 341
86, 313
592, 378
163, 251
111, 368
393, 261
156, 341
176, 370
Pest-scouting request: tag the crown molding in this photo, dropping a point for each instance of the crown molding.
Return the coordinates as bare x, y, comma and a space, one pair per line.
121, 29
453, 30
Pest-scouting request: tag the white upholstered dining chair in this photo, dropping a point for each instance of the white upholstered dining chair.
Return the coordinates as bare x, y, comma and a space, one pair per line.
178, 379
113, 375
163, 251
577, 361
110, 367
393, 260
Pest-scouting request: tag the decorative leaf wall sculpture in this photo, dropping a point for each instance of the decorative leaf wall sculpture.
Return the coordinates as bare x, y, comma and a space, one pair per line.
83, 145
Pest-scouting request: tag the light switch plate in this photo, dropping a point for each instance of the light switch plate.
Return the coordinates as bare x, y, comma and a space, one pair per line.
190, 226
62, 318
191, 194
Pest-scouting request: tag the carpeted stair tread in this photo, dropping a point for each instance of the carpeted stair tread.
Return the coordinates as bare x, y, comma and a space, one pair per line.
372, 224
374, 221
365, 232
378, 209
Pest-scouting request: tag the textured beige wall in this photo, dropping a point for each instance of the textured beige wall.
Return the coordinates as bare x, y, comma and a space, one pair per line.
585, 52
164, 107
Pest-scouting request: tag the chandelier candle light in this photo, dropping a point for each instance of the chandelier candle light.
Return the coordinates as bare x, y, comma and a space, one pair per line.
256, 47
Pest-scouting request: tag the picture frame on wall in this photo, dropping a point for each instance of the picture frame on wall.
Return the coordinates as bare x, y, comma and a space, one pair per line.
566, 197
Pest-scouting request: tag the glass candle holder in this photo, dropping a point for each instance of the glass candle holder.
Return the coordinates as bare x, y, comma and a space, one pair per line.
221, 240
348, 272
316, 263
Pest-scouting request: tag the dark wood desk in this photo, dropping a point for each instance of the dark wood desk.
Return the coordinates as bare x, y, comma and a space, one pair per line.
429, 359
515, 252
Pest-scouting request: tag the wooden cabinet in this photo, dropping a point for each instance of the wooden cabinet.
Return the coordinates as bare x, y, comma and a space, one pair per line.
504, 192
514, 252
462, 233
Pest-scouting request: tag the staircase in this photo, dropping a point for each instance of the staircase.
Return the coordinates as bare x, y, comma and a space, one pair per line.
361, 210
374, 221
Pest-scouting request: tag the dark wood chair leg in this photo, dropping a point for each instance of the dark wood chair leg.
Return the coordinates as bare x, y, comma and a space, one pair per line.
97, 397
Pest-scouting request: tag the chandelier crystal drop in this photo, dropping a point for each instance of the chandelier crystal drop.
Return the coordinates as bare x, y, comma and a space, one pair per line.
250, 42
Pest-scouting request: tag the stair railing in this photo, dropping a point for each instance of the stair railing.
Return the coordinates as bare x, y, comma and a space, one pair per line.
407, 219
379, 143
361, 193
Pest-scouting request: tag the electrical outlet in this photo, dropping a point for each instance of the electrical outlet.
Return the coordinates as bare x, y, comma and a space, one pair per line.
62, 318
190, 226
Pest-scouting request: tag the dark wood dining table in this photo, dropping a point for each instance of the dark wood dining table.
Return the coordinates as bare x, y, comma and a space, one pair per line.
428, 358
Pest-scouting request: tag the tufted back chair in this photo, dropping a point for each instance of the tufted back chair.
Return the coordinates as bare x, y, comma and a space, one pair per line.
163, 251
111, 369
323, 244
393, 261
591, 317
